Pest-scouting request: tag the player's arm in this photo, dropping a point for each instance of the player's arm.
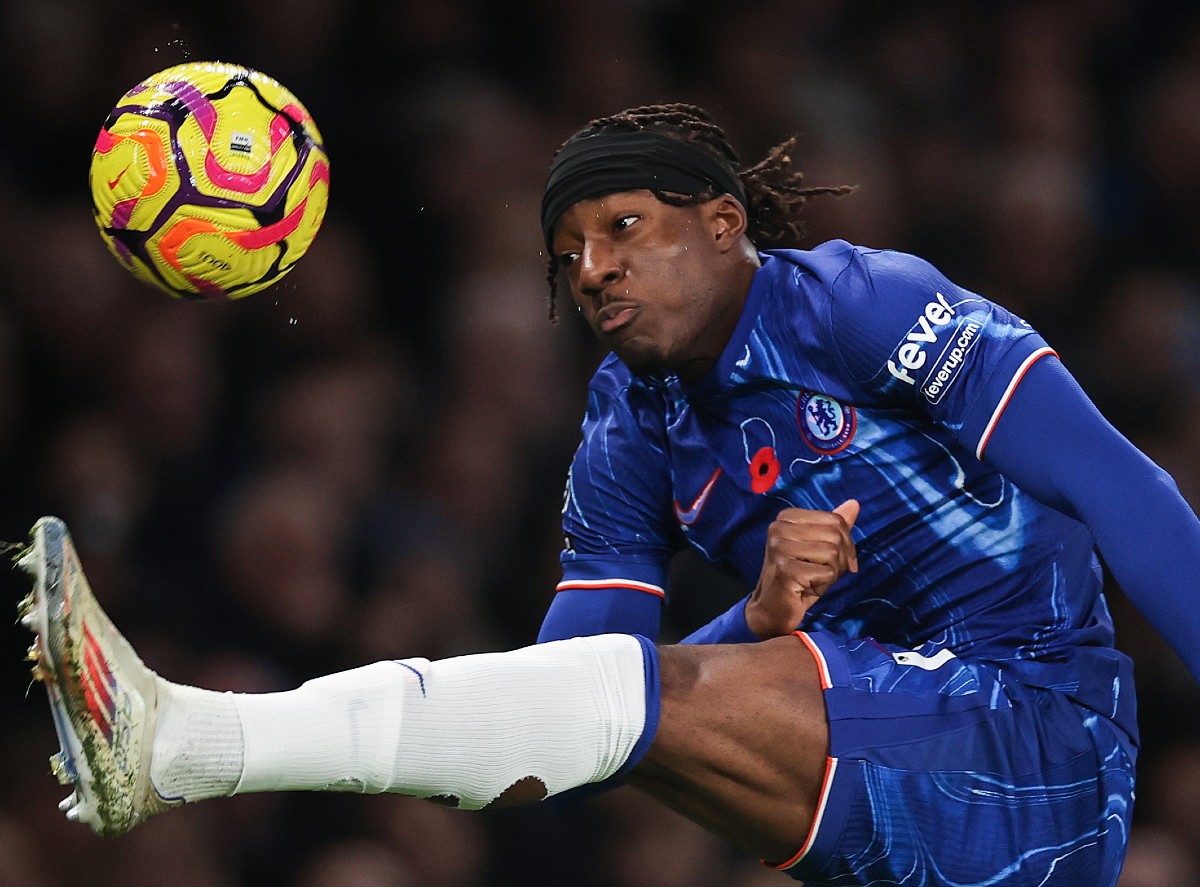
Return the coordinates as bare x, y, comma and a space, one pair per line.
615, 521
905, 331
1053, 443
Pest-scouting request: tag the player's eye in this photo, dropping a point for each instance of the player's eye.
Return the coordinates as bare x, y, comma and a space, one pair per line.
623, 223
566, 260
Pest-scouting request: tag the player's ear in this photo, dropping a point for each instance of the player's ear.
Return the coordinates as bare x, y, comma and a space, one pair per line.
727, 221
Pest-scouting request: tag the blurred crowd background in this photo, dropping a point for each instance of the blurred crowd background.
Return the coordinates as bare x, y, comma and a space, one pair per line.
367, 460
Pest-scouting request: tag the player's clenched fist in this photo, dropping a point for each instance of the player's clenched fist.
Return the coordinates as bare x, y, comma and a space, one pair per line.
806, 552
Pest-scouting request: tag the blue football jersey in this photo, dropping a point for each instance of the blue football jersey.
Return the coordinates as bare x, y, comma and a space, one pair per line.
865, 374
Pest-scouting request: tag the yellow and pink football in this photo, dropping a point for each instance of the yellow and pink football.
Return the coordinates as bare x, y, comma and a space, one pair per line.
209, 180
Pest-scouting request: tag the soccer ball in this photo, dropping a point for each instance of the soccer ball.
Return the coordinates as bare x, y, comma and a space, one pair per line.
209, 180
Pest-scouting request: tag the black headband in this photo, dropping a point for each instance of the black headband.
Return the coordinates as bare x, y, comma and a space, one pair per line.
605, 163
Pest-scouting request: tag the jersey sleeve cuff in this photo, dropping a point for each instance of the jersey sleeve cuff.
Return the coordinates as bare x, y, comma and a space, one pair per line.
597, 572
728, 628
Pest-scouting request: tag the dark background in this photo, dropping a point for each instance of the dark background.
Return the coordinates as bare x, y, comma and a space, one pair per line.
366, 461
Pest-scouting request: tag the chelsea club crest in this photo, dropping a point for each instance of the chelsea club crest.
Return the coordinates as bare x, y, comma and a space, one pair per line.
827, 425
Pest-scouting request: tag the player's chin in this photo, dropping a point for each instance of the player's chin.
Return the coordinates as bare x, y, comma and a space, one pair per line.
642, 356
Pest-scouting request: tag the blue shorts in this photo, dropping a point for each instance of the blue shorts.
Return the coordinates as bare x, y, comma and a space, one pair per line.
946, 771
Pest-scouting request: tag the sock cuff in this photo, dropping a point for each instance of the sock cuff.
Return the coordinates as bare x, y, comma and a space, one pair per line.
653, 707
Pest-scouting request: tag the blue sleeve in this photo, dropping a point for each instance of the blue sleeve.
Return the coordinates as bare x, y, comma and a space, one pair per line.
618, 528
582, 611
1053, 443
616, 517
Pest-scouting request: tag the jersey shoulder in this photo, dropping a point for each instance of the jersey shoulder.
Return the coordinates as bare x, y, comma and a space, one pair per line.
839, 300
853, 275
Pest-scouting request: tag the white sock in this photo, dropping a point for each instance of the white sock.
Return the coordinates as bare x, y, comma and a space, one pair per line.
198, 748
565, 713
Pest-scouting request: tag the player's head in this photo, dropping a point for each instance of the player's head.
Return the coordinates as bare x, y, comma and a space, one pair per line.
650, 209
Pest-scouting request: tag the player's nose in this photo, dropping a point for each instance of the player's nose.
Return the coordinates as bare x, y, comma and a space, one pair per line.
599, 267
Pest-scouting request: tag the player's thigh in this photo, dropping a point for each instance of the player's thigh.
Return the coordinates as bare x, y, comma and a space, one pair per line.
945, 771
742, 741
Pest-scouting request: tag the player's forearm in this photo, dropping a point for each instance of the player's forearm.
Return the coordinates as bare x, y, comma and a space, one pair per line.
1150, 539
728, 628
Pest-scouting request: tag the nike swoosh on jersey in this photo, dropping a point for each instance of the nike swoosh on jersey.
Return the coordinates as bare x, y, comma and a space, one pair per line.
687, 518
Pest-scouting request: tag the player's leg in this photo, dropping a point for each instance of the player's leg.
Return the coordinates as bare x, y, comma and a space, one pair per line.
474, 730
743, 742
741, 747
484, 730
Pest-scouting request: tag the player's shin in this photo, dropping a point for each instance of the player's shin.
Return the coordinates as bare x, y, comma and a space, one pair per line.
547, 718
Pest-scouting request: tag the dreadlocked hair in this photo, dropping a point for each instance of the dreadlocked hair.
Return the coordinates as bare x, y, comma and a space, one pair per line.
774, 193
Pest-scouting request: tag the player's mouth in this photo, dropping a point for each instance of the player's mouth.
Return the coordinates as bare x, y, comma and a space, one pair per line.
615, 316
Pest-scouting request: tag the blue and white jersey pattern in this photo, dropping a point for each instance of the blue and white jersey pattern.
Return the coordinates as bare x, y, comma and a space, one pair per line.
866, 374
